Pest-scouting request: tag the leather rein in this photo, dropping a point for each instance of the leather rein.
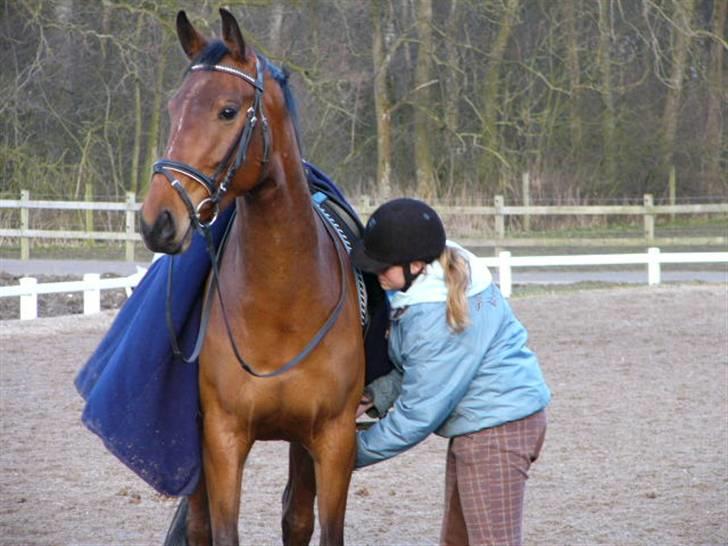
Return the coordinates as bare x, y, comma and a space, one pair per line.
167, 167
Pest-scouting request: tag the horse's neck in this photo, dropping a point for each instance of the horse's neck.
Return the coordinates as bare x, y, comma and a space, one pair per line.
279, 240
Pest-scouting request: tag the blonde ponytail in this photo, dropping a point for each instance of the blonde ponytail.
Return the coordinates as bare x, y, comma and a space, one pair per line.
457, 279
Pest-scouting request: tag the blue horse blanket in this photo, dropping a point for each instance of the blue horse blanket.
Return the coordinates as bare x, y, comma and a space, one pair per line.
141, 400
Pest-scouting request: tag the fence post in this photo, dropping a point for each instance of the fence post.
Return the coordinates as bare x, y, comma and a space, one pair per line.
505, 278
653, 266
649, 203
500, 225
29, 302
526, 182
130, 216
24, 225
92, 295
672, 188
88, 196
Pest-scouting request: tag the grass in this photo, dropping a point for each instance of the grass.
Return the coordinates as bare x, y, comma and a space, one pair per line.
715, 226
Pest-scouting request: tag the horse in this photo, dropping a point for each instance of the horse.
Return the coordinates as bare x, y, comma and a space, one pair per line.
283, 356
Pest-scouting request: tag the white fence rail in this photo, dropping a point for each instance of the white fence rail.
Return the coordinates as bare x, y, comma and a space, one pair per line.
92, 283
499, 213
653, 259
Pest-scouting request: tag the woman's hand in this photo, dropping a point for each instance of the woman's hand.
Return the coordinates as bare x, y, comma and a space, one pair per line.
365, 404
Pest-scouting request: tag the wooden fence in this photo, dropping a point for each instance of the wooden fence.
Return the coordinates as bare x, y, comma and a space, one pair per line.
499, 213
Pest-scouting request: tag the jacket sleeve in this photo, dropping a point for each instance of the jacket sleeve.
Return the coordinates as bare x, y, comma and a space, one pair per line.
437, 374
384, 391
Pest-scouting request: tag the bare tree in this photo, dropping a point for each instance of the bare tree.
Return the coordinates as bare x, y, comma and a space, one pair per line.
426, 186
492, 159
437, 98
382, 103
604, 62
717, 96
569, 9
682, 32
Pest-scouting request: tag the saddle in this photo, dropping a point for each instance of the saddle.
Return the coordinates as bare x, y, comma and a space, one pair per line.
326, 195
372, 299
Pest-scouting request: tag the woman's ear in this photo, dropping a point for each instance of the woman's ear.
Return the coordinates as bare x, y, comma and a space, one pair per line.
417, 266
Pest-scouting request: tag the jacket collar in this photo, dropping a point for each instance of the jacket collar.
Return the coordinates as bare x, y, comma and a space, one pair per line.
430, 286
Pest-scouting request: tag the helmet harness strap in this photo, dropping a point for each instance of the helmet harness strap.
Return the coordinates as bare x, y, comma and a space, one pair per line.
409, 277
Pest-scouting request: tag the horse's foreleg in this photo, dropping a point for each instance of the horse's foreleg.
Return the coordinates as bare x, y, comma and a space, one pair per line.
225, 449
198, 517
334, 456
298, 518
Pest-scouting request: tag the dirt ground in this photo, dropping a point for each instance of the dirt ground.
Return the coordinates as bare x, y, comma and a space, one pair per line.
636, 452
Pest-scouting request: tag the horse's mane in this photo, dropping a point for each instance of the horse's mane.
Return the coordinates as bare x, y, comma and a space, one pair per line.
216, 50
280, 75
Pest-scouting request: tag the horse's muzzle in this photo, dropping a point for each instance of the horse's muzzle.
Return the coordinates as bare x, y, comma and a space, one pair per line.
162, 235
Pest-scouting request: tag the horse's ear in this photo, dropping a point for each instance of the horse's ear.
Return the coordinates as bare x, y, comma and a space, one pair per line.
231, 35
192, 41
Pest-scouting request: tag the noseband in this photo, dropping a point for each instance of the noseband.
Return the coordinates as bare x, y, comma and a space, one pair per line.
215, 192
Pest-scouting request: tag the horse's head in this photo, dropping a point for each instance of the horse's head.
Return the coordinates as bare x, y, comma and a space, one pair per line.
218, 142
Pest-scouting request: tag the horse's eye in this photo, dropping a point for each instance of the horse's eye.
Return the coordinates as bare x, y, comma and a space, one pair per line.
228, 113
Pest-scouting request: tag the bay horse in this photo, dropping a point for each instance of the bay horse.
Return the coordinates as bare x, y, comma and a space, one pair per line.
233, 142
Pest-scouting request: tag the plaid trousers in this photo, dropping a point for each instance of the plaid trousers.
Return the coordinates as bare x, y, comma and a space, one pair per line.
485, 482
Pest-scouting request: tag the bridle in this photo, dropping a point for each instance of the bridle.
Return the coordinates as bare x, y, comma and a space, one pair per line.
215, 193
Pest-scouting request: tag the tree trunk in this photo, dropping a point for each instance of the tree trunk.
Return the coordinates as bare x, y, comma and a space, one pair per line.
382, 104
572, 65
137, 145
608, 117
491, 156
136, 149
717, 95
276, 26
154, 127
426, 186
451, 93
684, 16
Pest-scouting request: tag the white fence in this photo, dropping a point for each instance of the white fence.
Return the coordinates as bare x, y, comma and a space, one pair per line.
653, 259
92, 284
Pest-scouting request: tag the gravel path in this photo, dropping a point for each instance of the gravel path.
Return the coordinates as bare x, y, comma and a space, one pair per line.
636, 452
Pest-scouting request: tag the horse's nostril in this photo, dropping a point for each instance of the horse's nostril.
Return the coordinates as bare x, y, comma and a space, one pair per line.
165, 226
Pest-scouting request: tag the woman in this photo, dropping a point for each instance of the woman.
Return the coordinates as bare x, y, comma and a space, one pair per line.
462, 370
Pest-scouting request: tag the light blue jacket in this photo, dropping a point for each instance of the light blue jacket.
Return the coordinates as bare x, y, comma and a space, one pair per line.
449, 383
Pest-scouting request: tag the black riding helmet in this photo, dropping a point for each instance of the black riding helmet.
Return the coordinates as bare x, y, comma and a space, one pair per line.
399, 232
